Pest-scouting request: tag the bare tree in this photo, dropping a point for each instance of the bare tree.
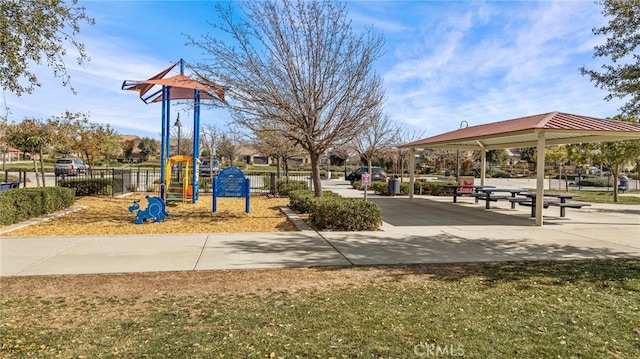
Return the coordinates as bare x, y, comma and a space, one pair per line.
403, 136
229, 146
299, 64
210, 139
374, 140
271, 142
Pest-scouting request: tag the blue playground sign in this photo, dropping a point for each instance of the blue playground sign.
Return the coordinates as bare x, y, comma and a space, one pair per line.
231, 182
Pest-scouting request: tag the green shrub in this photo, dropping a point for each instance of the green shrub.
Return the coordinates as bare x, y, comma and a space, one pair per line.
382, 188
404, 188
301, 200
379, 188
433, 188
496, 173
91, 186
19, 204
345, 214
283, 187
596, 182
9, 179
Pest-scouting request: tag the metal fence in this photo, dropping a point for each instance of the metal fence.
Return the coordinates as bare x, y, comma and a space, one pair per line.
112, 182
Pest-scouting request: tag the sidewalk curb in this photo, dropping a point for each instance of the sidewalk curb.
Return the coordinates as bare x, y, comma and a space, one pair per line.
297, 221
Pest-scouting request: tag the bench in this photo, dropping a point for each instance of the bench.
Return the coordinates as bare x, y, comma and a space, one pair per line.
488, 199
527, 202
565, 205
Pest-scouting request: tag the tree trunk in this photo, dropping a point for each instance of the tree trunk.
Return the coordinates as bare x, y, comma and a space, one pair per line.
315, 174
42, 167
35, 170
615, 171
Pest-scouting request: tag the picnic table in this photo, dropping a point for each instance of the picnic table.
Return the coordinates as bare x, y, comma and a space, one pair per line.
487, 194
562, 203
464, 189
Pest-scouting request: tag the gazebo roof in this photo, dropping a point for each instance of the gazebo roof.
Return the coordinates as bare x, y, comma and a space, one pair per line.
558, 128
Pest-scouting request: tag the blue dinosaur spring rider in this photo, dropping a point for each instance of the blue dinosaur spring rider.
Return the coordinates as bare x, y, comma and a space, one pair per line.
156, 210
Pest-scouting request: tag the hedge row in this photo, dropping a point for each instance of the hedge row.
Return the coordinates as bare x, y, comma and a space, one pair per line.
333, 212
433, 188
91, 186
17, 205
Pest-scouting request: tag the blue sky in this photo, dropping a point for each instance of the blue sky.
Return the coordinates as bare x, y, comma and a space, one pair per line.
445, 61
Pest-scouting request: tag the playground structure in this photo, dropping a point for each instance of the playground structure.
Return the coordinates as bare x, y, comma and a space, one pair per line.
178, 87
178, 183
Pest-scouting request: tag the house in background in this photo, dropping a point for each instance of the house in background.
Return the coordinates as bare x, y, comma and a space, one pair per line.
131, 150
10, 154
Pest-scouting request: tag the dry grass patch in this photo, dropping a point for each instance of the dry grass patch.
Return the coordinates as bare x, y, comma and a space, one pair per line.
564, 309
107, 216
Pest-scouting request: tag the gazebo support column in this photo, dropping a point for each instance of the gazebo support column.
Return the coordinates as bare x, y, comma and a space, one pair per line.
412, 168
483, 165
540, 178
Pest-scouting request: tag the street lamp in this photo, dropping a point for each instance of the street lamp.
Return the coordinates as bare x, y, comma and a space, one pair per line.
463, 124
178, 124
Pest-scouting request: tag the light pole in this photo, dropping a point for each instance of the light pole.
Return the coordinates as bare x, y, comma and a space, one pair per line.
463, 124
178, 124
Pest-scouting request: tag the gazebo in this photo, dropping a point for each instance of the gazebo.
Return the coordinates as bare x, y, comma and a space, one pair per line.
178, 87
538, 131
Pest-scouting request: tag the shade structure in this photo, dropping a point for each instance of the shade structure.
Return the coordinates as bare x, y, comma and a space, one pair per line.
178, 87
559, 128
183, 88
553, 128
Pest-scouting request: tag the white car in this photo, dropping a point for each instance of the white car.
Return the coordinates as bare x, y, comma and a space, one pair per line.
205, 169
70, 166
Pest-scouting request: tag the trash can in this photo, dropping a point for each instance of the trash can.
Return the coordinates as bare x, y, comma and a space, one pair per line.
393, 186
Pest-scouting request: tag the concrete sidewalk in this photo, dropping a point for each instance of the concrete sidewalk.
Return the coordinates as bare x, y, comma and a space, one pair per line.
423, 230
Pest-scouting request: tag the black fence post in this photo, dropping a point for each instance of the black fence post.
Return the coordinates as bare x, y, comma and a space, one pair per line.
272, 184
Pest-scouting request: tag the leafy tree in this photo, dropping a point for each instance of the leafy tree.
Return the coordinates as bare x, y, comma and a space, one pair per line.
297, 63
614, 154
148, 147
31, 136
558, 156
527, 154
496, 157
96, 140
33, 32
621, 78
4, 148
65, 131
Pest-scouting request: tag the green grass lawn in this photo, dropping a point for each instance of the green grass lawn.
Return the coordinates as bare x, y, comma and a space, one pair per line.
602, 196
579, 309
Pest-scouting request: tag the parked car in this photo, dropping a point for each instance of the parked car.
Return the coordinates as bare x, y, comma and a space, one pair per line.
70, 166
205, 168
377, 174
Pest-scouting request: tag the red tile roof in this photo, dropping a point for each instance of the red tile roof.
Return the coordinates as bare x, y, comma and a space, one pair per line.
558, 127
